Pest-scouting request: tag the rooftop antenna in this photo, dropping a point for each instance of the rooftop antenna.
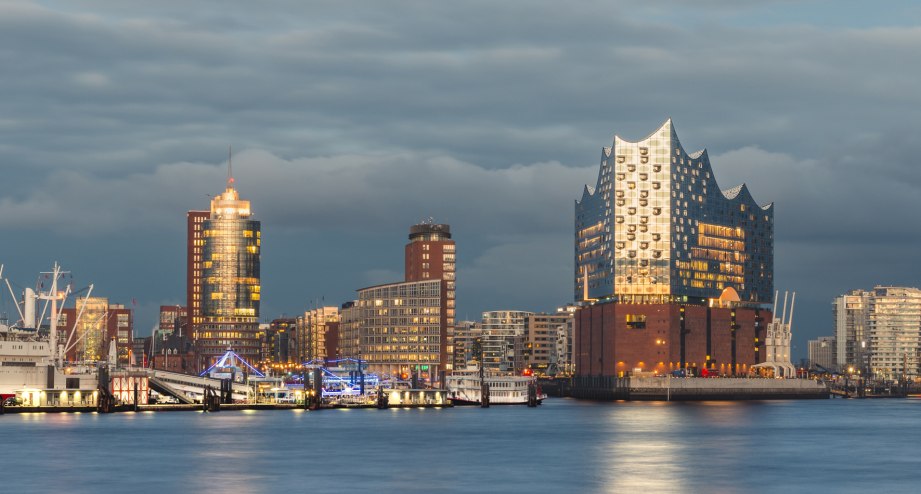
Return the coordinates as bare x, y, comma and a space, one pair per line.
230, 165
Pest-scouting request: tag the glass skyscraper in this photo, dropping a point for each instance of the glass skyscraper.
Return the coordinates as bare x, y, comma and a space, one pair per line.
230, 286
656, 228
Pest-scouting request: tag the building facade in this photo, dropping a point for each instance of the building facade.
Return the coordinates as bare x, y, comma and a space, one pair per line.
401, 328
822, 354
173, 318
230, 280
431, 255
195, 244
315, 330
502, 340
850, 313
350, 330
656, 228
89, 338
277, 338
546, 348
879, 332
408, 327
466, 334
617, 339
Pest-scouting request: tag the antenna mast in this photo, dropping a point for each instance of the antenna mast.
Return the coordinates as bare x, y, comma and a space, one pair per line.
230, 165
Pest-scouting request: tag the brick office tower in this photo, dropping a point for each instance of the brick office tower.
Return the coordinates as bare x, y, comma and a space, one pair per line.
195, 221
430, 255
407, 327
673, 271
224, 288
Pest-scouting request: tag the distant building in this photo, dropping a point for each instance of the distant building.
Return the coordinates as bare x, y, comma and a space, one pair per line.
878, 332
822, 353
315, 329
546, 348
350, 330
850, 313
173, 318
195, 244
176, 354
277, 341
466, 334
140, 349
229, 245
401, 328
503, 331
407, 327
431, 255
656, 228
100, 324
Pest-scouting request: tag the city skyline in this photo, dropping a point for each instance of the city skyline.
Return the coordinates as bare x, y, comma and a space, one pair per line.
352, 127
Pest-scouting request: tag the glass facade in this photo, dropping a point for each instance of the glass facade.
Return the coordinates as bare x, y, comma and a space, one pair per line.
656, 228
230, 265
230, 279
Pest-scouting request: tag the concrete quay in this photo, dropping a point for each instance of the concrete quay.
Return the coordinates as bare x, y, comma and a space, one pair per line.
198, 407
695, 389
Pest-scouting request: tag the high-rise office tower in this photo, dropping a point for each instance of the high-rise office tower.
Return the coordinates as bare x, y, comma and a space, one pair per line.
229, 248
656, 228
430, 255
195, 243
407, 327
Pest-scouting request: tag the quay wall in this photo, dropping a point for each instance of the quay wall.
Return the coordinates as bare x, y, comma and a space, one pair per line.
696, 389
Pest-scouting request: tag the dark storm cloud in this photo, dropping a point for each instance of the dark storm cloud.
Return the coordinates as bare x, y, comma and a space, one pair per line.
364, 117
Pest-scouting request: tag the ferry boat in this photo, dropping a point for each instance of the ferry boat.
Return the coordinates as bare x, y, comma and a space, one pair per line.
464, 388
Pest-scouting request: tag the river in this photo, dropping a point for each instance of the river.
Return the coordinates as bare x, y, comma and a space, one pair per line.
564, 446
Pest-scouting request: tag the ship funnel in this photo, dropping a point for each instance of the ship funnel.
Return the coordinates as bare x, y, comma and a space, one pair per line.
28, 312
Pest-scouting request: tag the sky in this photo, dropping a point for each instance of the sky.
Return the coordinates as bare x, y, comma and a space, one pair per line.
352, 120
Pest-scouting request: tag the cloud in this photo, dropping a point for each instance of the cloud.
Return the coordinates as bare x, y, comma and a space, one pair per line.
489, 115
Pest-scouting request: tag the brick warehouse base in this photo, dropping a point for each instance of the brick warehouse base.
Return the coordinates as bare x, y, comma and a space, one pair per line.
617, 340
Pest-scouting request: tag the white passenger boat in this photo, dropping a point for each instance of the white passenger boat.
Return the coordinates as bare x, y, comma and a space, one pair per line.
464, 388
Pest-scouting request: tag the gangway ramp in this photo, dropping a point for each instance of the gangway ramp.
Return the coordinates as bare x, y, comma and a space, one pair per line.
162, 387
194, 386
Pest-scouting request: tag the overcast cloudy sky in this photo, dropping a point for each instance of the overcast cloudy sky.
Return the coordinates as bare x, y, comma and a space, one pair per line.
352, 120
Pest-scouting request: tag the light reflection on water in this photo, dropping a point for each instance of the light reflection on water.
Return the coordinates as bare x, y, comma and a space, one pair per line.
564, 446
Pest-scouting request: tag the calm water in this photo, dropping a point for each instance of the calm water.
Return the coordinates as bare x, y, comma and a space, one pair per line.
565, 446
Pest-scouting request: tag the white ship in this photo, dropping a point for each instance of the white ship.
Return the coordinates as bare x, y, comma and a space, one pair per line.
31, 363
464, 388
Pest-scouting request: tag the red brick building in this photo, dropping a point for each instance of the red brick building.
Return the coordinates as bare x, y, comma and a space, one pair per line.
195, 243
100, 323
430, 255
614, 339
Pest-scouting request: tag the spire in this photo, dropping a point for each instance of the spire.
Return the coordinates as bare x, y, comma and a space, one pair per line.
230, 166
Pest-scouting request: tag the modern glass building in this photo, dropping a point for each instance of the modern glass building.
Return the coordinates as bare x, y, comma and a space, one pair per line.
656, 228
230, 287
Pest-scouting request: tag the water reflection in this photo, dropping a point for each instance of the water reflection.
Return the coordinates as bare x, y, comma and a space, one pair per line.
561, 447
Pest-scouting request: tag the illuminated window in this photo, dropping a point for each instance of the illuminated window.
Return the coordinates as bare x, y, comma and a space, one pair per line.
636, 321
